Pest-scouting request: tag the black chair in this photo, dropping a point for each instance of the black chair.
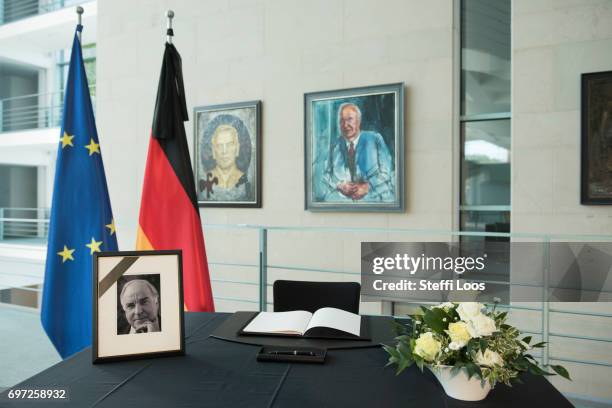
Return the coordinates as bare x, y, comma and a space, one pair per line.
311, 296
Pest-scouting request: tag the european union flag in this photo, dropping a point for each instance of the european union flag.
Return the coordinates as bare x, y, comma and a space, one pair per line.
81, 218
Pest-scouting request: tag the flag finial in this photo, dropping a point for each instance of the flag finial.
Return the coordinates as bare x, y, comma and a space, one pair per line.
169, 32
79, 11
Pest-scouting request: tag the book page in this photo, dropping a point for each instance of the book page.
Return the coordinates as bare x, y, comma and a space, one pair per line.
336, 319
294, 322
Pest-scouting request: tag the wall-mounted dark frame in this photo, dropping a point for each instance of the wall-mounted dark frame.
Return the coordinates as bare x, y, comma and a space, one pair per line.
255, 202
123, 357
592, 113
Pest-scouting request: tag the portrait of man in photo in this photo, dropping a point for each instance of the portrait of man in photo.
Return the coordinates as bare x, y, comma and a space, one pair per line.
138, 308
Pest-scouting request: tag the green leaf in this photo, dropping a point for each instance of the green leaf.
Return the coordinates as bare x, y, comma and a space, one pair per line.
399, 328
473, 370
403, 338
539, 345
527, 339
402, 366
392, 351
473, 346
483, 345
470, 370
458, 365
535, 369
521, 364
561, 371
419, 362
405, 351
434, 319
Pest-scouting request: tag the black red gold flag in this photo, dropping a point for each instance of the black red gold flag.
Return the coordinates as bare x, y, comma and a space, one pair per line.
169, 216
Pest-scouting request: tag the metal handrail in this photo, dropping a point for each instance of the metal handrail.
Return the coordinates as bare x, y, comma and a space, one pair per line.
12, 98
31, 220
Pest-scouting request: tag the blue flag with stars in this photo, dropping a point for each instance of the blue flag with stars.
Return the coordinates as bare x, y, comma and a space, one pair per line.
81, 218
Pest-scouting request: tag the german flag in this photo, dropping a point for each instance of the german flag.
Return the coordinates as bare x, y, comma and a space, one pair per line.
169, 216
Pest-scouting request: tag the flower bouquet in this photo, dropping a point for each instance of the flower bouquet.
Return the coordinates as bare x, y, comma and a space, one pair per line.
468, 348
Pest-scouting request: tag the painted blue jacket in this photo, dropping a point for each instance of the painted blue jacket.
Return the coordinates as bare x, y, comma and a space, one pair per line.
373, 163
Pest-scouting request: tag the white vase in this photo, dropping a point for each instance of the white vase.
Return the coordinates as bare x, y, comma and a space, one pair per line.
458, 386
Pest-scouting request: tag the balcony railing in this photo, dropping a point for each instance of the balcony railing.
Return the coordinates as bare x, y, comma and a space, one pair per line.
35, 111
24, 225
14, 10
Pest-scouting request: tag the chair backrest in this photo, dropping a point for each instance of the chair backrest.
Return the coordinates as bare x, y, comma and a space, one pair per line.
311, 296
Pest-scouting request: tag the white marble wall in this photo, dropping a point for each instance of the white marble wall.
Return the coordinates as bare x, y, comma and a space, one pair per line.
553, 42
238, 50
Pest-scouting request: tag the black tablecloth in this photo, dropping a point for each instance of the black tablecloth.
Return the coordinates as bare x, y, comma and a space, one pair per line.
218, 373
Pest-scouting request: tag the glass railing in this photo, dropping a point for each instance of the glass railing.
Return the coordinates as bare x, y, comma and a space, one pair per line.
14, 10
34, 111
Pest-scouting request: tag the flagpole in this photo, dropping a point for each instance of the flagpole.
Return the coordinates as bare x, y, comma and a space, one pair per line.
79, 11
169, 32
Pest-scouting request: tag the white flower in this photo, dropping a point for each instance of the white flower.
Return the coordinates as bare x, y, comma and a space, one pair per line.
489, 358
446, 350
469, 310
444, 319
481, 325
427, 347
417, 322
459, 335
445, 305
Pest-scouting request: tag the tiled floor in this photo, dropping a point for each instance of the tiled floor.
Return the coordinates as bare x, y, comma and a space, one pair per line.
25, 349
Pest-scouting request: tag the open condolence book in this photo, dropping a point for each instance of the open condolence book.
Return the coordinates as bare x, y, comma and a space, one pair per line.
327, 322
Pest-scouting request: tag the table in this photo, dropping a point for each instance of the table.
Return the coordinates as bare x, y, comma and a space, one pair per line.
218, 373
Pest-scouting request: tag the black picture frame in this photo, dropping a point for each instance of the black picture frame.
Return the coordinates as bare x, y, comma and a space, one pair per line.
178, 351
596, 144
381, 111
207, 118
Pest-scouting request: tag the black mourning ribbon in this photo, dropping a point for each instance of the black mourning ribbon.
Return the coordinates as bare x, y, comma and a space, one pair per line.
170, 106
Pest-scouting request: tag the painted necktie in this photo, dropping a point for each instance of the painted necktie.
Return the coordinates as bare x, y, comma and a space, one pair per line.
351, 161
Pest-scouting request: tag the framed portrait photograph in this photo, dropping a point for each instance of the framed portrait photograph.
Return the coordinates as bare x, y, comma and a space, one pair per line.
138, 305
596, 138
228, 154
354, 149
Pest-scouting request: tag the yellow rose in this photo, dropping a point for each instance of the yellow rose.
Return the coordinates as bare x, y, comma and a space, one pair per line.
459, 335
427, 347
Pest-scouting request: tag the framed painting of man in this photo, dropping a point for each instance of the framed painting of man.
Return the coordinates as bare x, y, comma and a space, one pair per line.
596, 143
228, 154
137, 305
354, 149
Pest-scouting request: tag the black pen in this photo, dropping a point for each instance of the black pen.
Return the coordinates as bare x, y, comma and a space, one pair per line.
292, 353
